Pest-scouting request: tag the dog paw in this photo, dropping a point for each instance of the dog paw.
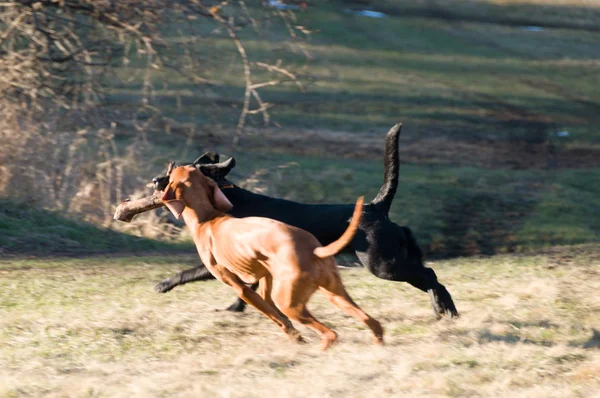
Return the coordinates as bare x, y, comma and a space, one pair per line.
448, 309
442, 303
236, 307
378, 340
295, 336
163, 287
328, 339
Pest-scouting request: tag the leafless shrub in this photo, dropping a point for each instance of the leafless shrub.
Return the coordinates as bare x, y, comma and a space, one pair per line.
56, 58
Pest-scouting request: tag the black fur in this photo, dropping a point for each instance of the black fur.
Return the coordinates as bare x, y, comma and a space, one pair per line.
387, 250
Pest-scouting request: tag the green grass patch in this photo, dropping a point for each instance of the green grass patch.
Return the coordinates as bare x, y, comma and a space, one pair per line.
31, 231
452, 210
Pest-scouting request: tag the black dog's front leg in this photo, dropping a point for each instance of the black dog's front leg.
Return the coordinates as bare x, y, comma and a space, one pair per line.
239, 305
199, 273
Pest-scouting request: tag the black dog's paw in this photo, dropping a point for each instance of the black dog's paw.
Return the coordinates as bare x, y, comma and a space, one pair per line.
238, 306
442, 303
163, 286
451, 312
447, 304
450, 309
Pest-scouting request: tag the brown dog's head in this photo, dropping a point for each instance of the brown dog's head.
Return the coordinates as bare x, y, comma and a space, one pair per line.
188, 187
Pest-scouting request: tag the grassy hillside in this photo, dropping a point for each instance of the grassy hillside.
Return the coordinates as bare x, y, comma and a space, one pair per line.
454, 210
485, 101
34, 232
464, 77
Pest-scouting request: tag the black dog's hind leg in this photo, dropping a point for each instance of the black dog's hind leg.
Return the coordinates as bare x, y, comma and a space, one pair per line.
396, 256
199, 273
423, 279
441, 301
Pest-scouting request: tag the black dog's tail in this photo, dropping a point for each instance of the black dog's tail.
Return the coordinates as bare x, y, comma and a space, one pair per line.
391, 163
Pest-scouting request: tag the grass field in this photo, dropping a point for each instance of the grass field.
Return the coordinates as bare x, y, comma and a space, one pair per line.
94, 327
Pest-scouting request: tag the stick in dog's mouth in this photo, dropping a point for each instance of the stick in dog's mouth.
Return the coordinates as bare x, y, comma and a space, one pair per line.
130, 208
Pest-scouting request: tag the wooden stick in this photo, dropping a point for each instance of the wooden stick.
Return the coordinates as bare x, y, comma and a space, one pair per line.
129, 208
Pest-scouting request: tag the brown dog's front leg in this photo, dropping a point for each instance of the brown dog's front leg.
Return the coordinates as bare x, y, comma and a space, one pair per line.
252, 298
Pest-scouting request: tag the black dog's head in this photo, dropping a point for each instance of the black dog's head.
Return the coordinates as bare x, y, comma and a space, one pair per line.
208, 164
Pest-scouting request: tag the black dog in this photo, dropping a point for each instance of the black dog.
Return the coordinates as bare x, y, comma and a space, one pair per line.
387, 250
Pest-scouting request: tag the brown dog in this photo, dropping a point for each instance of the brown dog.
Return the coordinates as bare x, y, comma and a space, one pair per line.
290, 263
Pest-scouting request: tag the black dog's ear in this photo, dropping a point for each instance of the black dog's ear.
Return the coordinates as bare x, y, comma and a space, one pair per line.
217, 171
207, 158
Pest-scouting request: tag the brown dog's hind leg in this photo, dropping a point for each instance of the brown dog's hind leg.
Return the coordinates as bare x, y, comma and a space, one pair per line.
252, 298
338, 296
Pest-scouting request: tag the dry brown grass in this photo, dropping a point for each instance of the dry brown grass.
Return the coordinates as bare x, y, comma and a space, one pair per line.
94, 327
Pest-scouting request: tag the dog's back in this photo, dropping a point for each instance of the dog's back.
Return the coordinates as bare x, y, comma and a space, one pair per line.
259, 240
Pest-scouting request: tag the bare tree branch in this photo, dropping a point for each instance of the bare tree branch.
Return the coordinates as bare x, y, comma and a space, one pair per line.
59, 49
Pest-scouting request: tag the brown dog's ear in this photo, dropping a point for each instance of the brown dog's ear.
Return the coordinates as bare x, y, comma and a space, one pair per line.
176, 206
219, 199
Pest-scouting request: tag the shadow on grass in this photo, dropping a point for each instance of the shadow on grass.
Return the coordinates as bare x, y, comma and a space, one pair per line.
498, 14
370, 71
593, 342
38, 232
461, 115
477, 223
486, 336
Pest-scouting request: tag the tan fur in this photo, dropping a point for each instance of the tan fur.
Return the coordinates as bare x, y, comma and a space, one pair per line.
289, 262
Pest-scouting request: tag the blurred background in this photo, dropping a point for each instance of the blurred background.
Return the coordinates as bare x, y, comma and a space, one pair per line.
499, 152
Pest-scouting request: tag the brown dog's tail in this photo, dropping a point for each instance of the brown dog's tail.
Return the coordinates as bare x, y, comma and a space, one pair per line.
335, 247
